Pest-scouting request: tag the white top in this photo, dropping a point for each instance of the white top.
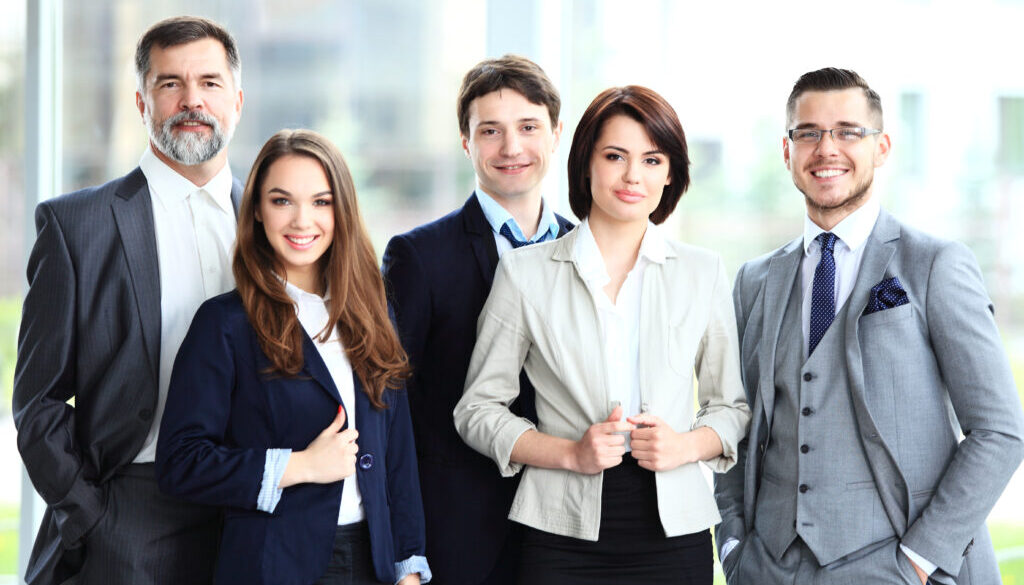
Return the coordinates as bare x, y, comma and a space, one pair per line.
195, 231
848, 251
312, 312
620, 321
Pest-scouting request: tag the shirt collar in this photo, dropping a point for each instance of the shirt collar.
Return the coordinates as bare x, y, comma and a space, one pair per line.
590, 263
169, 186
853, 231
300, 296
498, 216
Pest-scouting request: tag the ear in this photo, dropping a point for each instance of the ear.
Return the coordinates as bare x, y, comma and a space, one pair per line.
882, 149
557, 131
785, 152
140, 103
238, 105
465, 146
259, 216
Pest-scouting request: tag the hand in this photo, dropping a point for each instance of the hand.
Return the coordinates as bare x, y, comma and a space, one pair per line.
920, 572
655, 445
600, 448
410, 579
328, 458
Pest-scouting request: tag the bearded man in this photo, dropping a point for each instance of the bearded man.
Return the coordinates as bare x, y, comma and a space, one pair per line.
115, 276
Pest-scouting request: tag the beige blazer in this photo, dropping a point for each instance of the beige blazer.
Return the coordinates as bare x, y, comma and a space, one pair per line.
541, 316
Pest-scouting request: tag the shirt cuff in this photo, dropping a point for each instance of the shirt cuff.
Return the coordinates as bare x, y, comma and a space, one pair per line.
926, 566
727, 548
413, 564
273, 469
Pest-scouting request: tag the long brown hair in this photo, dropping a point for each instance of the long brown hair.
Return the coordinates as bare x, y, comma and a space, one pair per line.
348, 269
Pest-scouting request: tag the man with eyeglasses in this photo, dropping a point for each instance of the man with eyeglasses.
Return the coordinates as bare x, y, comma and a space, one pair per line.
868, 347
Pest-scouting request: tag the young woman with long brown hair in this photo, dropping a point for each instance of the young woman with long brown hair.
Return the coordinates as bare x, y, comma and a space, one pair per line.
277, 379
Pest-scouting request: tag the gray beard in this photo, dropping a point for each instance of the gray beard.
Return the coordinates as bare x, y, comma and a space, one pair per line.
190, 148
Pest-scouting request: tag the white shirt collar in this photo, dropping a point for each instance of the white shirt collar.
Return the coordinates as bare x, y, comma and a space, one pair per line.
853, 231
170, 187
498, 216
590, 263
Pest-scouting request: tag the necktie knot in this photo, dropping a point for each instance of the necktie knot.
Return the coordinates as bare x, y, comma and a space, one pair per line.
506, 232
828, 241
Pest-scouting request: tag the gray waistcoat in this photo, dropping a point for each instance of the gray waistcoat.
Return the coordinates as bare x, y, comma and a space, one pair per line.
816, 482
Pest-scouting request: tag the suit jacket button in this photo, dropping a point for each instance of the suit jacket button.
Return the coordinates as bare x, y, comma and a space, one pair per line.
804, 448
808, 376
806, 411
146, 414
366, 461
803, 488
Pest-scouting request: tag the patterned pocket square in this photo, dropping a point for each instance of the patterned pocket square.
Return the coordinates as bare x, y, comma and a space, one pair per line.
886, 295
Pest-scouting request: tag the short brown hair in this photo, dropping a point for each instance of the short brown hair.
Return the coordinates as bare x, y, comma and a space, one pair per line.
180, 30
832, 79
509, 72
662, 125
348, 269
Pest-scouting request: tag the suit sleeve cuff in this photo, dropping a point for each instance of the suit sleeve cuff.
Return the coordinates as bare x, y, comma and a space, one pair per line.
413, 564
273, 469
727, 548
926, 566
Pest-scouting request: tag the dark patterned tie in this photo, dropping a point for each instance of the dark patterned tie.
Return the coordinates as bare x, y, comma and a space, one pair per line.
507, 233
823, 300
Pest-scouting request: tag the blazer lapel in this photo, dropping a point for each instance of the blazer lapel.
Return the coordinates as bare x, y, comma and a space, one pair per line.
481, 238
317, 369
133, 214
777, 288
880, 248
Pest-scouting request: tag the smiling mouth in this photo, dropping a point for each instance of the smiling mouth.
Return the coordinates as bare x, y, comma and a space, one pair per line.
512, 168
828, 173
301, 241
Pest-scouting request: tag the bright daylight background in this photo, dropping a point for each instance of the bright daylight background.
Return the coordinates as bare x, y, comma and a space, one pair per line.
380, 77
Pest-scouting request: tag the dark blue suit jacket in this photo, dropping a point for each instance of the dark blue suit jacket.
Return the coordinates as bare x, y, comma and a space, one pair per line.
222, 415
438, 277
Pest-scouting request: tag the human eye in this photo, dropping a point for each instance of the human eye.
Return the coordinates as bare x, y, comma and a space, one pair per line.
850, 134
488, 131
323, 202
530, 128
280, 201
653, 160
806, 135
613, 156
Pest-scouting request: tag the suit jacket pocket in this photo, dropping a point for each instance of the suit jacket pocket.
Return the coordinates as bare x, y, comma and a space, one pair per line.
887, 316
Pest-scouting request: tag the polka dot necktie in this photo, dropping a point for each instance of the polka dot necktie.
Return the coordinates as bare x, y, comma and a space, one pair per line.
507, 233
823, 301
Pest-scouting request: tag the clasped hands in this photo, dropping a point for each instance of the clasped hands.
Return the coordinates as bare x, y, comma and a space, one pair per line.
655, 445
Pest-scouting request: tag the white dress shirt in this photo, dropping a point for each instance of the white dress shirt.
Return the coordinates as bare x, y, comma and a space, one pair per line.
498, 216
195, 231
620, 321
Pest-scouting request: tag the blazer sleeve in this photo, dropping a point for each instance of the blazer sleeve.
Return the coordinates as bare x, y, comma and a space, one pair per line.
409, 297
729, 486
193, 459
44, 380
482, 416
723, 405
406, 505
977, 376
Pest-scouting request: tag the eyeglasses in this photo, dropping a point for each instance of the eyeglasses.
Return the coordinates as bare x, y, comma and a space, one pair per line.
847, 134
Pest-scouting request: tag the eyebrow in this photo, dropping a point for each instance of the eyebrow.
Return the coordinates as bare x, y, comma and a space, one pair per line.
165, 76
287, 194
519, 121
624, 151
840, 124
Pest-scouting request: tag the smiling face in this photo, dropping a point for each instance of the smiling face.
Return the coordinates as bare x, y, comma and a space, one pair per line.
297, 211
835, 177
510, 142
628, 173
190, 104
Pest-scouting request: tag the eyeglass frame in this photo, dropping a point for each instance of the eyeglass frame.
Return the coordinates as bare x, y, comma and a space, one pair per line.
867, 132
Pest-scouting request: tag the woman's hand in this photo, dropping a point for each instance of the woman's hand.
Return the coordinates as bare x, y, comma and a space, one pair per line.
410, 579
656, 446
330, 457
602, 446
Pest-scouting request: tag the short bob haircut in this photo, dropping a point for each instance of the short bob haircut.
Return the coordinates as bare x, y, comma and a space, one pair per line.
662, 126
508, 72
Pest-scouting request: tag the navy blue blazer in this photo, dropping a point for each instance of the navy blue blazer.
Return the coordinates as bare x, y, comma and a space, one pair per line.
222, 415
438, 277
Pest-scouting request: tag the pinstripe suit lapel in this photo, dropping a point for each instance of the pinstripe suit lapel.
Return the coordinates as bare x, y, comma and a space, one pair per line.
133, 213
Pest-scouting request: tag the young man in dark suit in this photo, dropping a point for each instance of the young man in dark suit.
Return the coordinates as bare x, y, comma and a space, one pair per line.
115, 276
438, 277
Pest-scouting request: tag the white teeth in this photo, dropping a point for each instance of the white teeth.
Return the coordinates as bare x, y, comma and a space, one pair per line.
828, 173
301, 241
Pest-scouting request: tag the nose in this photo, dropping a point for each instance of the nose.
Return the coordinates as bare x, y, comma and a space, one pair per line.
827, 145
191, 98
510, 146
631, 174
302, 215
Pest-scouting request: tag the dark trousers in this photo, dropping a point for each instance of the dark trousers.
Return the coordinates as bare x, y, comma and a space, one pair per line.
351, 562
631, 546
147, 538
